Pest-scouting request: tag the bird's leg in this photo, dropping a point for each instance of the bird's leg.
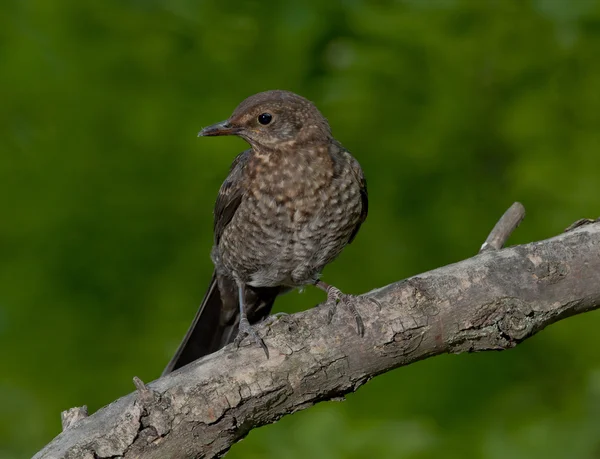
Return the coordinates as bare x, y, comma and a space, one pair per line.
335, 296
244, 327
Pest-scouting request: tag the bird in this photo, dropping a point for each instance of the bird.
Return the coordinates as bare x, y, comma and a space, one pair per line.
288, 207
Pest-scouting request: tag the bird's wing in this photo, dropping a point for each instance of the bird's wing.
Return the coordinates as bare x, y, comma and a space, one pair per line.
364, 196
230, 195
341, 158
358, 174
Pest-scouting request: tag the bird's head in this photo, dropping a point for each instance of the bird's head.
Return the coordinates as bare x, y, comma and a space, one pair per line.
274, 119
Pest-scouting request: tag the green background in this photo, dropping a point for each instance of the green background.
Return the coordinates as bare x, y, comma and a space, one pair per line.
455, 109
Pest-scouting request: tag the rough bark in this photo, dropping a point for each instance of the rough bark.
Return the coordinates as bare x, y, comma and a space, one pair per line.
492, 301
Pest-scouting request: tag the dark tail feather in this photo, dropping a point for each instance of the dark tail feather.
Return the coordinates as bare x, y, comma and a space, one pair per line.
216, 322
206, 331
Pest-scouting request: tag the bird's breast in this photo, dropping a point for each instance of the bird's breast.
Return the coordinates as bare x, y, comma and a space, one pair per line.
295, 217
293, 189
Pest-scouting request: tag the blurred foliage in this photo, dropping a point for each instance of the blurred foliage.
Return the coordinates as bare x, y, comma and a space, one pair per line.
455, 110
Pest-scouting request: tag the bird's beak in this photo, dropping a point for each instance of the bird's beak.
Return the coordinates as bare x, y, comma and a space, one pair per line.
222, 128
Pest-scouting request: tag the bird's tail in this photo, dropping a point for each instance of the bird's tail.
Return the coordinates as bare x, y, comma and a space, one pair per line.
216, 322
206, 331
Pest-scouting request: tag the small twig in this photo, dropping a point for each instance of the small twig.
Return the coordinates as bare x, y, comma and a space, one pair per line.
145, 396
504, 228
73, 415
140, 385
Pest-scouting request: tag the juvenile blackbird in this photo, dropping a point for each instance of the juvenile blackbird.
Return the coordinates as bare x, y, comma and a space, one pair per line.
289, 206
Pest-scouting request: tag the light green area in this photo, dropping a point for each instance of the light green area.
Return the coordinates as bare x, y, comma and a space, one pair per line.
454, 108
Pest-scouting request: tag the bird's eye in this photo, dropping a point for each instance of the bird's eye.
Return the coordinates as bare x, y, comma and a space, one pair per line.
265, 118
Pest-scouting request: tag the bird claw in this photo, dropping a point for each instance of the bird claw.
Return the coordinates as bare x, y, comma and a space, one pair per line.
245, 329
335, 296
374, 301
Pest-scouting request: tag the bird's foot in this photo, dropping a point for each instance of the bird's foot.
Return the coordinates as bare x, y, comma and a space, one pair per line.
245, 329
335, 296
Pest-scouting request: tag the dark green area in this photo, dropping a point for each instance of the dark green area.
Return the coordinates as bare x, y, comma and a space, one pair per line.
454, 108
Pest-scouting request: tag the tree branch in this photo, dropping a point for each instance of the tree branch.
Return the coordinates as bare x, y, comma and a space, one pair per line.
492, 301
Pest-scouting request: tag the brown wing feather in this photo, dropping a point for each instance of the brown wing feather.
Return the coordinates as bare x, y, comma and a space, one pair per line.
230, 195
216, 322
364, 196
341, 157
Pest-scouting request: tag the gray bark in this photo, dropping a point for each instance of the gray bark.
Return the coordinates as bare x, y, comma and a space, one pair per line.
492, 301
